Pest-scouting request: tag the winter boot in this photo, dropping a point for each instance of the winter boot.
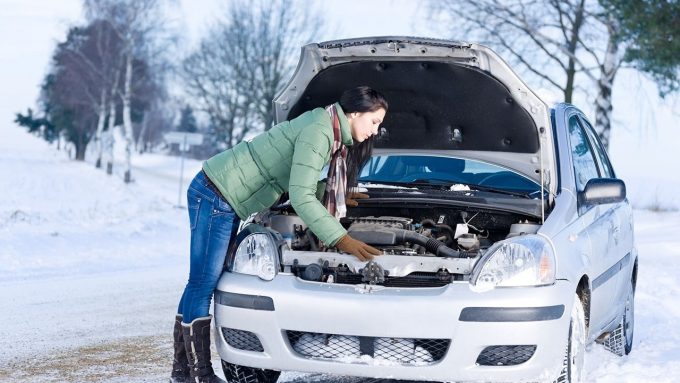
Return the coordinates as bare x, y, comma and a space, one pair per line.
197, 344
180, 363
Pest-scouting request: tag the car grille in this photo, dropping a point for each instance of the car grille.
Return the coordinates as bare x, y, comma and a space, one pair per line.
416, 279
505, 355
353, 349
242, 340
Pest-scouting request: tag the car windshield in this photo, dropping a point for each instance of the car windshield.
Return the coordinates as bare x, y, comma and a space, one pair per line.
419, 169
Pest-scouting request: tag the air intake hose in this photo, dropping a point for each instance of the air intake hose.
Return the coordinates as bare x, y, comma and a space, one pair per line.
389, 236
431, 244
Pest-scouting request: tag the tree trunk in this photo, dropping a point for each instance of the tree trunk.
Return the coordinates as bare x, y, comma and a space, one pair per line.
608, 69
80, 152
108, 145
110, 139
572, 45
80, 144
100, 127
140, 145
127, 119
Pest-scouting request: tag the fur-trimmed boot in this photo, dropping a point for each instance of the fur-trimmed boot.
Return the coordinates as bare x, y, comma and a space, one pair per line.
180, 363
197, 344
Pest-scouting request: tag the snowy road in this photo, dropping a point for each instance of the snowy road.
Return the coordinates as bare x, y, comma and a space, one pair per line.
91, 269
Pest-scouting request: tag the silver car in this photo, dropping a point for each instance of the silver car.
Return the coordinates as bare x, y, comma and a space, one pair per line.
507, 239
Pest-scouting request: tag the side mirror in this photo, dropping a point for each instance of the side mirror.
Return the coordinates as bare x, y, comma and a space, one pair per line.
600, 191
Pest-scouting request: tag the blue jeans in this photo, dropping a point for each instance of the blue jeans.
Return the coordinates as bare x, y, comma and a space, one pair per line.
212, 223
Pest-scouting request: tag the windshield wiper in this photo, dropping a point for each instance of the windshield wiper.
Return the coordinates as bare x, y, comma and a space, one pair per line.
450, 183
439, 182
395, 183
501, 191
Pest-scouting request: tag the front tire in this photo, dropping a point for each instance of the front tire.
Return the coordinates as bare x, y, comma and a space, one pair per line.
242, 374
574, 357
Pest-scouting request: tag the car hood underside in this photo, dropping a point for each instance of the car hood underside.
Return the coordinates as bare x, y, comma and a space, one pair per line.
429, 101
455, 98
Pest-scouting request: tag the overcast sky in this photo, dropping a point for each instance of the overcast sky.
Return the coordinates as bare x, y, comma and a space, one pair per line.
646, 128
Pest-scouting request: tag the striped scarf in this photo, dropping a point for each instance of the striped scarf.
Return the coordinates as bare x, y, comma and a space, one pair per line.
336, 181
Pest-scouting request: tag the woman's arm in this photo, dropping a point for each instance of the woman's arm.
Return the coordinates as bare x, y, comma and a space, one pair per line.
312, 151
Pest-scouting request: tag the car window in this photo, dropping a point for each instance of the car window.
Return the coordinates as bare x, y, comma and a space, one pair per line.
412, 168
585, 167
605, 166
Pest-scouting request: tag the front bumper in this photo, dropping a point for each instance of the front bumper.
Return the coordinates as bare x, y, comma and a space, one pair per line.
471, 320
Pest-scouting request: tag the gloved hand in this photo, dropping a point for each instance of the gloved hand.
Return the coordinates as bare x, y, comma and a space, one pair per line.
352, 197
357, 248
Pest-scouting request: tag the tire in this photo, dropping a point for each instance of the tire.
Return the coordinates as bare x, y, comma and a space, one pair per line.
242, 374
620, 341
572, 364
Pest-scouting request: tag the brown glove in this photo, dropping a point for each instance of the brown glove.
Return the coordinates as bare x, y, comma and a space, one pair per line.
357, 248
351, 198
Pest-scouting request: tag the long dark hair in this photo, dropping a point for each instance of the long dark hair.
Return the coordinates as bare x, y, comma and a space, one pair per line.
361, 99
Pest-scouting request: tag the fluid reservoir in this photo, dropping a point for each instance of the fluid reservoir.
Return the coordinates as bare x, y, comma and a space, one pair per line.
286, 225
523, 228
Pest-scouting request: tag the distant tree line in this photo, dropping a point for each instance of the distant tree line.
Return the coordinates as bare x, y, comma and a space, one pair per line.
109, 79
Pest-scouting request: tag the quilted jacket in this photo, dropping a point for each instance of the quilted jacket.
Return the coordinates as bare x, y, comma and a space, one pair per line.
287, 158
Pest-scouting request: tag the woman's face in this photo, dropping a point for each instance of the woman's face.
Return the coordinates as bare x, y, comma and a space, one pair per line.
364, 125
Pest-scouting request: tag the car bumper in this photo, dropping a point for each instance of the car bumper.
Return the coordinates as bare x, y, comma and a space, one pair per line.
471, 320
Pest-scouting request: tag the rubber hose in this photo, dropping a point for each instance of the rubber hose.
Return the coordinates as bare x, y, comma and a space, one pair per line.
427, 222
430, 244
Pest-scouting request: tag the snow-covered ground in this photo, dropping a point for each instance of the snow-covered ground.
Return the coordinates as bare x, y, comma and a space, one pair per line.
91, 270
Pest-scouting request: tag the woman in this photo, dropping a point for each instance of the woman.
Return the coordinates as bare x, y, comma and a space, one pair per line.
252, 176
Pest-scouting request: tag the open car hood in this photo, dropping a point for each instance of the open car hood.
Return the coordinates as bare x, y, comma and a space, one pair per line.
445, 97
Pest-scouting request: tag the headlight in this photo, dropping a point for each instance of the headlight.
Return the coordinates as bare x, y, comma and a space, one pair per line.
256, 255
521, 261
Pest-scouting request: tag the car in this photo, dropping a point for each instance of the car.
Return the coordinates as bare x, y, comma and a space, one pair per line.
507, 239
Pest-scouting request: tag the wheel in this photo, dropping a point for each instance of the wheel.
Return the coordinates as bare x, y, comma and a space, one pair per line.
620, 341
242, 374
572, 365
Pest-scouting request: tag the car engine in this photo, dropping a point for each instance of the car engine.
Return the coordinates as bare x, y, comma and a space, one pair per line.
427, 251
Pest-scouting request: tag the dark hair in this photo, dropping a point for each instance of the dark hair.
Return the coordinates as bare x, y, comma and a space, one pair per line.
360, 99
357, 156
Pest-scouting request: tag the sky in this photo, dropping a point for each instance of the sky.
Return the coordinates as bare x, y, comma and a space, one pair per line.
646, 128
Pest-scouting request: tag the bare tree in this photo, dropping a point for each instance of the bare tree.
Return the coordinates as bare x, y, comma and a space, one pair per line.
94, 56
139, 26
244, 62
556, 41
73, 91
215, 75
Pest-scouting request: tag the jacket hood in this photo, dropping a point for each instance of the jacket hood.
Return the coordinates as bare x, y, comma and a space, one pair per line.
458, 99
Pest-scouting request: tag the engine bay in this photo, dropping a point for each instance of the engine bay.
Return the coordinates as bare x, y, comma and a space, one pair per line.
421, 247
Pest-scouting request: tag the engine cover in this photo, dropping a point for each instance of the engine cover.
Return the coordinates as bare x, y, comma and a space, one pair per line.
385, 221
376, 230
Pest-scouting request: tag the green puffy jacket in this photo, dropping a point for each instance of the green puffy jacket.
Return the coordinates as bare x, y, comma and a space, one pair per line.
289, 157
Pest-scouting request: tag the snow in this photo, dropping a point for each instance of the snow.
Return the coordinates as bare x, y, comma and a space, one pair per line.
91, 270
85, 259
459, 187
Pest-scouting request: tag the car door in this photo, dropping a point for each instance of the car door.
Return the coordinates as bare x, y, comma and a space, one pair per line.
621, 226
597, 221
